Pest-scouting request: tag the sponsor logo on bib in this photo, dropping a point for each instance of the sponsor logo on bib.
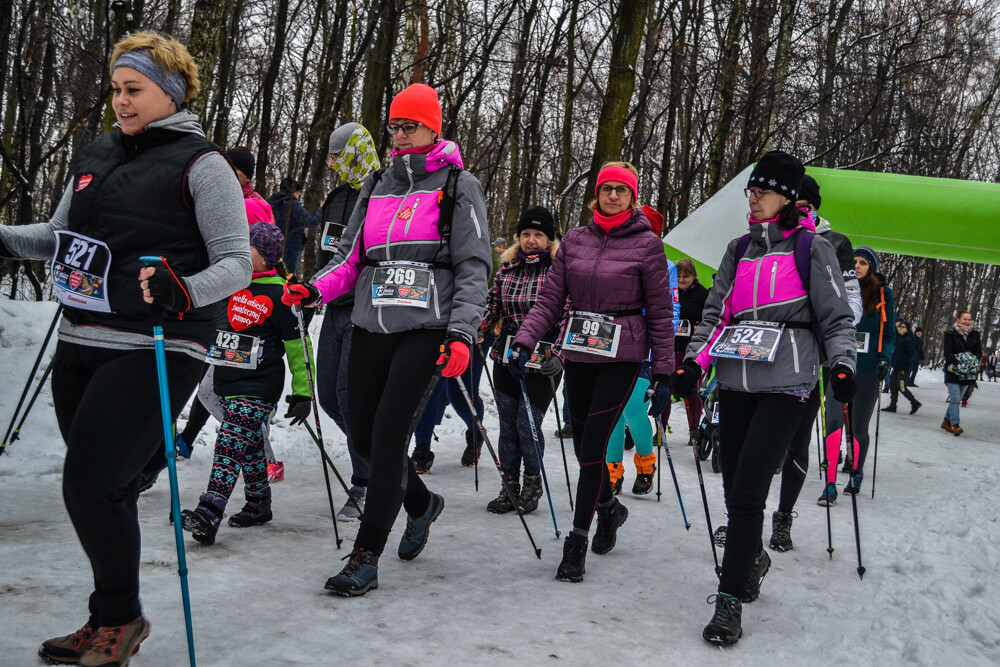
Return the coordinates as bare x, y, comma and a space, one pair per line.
406, 213
591, 341
744, 350
230, 354
403, 291
75, 278
246, 310
84, 182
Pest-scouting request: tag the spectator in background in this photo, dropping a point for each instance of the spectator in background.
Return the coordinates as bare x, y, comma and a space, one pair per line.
962, 349
919, 334
244, 165
292, 220
904, 357
991, 363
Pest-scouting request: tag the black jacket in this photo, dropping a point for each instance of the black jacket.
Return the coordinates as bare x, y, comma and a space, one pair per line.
904, 357
692, 302
337, 210
954, 344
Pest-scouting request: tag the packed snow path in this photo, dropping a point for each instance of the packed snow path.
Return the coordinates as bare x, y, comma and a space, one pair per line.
478, 595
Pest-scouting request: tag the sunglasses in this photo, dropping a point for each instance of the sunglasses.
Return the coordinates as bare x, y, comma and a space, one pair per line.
407, 128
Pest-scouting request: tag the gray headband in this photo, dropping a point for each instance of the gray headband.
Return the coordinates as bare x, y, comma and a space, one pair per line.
171, 82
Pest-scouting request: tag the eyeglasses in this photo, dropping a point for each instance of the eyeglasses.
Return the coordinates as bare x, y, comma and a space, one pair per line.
900, 326
408, 128
755, 192
620, 190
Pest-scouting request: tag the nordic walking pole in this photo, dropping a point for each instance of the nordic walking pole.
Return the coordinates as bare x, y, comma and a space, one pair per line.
538, 451
819, 448
297, 309
878, 412
27, 385
171, 453
704, 496
27, 410
472, 384
824, 464
496, 461
562, 444
329, 462
849, 432
673, 473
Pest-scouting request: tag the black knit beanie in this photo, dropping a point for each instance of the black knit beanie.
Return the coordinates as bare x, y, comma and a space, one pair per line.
778, 171
242, 159
540, 218
809, 190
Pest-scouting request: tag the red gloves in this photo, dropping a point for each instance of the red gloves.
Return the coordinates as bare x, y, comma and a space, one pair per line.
457, 357
302, 294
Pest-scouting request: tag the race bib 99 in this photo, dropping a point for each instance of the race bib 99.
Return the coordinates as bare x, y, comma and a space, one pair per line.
593, 333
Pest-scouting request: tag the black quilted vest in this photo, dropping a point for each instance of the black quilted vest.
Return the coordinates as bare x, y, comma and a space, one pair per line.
138, 203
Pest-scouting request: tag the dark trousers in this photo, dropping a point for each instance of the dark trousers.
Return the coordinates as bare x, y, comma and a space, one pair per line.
105, 456
796, 466
754, 433
516, 442
897, 385
387, 375
598, 393
448, 391
332, 356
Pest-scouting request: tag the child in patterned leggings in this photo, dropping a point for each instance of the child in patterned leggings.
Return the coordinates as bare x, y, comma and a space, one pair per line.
249, 375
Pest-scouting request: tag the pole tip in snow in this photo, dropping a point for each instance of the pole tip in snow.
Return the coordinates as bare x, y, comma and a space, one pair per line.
538, 554
829, 550
687, 526
861, 572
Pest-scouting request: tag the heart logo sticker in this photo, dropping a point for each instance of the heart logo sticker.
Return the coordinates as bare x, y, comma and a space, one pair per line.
75, 278
84, 182
744, 350
246, 310
404, 290
230, 354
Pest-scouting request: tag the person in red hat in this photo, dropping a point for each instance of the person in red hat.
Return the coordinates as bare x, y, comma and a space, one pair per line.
417, 247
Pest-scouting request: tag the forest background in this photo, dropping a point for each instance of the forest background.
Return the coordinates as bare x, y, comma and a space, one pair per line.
538, 94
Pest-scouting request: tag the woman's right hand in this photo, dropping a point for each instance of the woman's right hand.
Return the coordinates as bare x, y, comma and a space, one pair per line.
685, 378
300, 294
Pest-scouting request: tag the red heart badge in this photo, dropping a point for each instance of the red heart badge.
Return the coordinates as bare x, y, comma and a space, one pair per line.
84, 182
246, 310
591, 342
406, 213
403, 290
744, 350
75, 278
230, 354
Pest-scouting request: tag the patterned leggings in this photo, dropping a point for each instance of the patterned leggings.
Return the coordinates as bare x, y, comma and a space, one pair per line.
240, 446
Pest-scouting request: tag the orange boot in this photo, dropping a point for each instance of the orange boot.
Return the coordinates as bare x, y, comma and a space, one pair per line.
645, 466
616, 471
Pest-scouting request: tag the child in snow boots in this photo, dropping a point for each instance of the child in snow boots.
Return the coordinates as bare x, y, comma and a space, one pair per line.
249, 375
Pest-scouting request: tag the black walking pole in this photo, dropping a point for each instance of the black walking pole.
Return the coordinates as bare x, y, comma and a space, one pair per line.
326, 457
297, 309
825, 467
27, 385
662, 438
704, 496
538, 451
878, 412
849, 431
27, 410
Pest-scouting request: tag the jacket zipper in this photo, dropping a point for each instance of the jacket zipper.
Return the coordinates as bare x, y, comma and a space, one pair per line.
833, 283
413, 214
434, 291
388, 234
475, 221
371, 288
746, 387
774, 273
795, 351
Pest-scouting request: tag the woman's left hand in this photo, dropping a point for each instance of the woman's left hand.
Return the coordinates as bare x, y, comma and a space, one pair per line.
159, 285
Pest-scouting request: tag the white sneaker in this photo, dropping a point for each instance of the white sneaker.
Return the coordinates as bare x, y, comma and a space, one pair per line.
349, 512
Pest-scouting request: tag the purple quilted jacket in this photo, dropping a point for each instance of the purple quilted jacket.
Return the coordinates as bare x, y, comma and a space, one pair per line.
600, 272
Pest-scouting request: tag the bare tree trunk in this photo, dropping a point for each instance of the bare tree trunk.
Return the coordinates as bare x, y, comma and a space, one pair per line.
378, 74
208, 25
270, 78
728, 65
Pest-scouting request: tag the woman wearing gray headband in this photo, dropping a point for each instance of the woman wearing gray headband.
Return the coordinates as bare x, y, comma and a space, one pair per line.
152, 186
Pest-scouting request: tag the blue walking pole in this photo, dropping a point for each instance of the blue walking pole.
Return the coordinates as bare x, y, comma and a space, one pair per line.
171, 452
670, 462
538, 452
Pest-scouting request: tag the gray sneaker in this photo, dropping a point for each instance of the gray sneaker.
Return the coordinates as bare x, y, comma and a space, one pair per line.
355, 505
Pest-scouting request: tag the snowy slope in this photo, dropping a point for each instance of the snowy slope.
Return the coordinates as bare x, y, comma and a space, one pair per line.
477, 594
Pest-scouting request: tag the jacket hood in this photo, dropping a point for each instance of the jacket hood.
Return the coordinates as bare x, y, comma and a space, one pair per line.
821, 223
279, 198
445, 154
182, 121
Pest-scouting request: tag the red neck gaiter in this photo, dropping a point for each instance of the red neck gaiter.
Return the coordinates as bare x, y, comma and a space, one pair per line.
418, 150
609, 222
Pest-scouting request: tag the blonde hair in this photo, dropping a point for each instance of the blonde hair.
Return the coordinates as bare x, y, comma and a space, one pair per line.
167, 53
624, 165
510, 254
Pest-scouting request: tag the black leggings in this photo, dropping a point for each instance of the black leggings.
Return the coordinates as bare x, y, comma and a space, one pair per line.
104, 457
796, 466
597, 394
754, 433
386, 376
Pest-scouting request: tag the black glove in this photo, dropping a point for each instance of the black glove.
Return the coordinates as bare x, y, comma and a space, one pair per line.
882, 371
552, 366
167, 290
843, 383
685, 378
658, 394
298, 408
516, 359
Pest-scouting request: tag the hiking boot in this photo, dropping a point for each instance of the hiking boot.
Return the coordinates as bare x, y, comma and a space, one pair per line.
965, 402
609, 520
957, 430
114, 646
275, 471
724, 629
574, 560
565, 432
355, 505
147, 478
616, 473
203, 521
781, 531
914, 407
470, 456
502, 503
760, 567
829, 496
719, 536
645, 466
68, 649
417, 529
889, 408
423, 459
946, 425
531, 492
359, 576
257, 510
854, 484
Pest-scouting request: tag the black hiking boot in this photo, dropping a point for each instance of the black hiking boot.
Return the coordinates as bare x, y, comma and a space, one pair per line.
359, 576
203, 521
531, 492
760, 567
418, 528
502, 503
472, 449
574, 560
609, 520
781, 531
724, 629
257, 510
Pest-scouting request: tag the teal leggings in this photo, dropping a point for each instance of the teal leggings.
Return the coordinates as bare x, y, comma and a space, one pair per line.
638, 424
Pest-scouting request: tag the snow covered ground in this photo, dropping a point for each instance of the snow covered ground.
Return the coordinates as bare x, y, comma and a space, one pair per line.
478, 595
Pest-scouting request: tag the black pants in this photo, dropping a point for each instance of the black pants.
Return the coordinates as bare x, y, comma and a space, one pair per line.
754, 433
796, 466
386, 376
897, 385
104, 457
197, 418
597, 394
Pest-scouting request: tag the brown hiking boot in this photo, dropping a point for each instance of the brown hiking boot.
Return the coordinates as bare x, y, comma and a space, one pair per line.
946, 425
68, 649
114, 646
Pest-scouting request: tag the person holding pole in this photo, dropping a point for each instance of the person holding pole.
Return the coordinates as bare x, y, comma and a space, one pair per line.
773, 285
525, 268
154, 185
418, 249
611, 271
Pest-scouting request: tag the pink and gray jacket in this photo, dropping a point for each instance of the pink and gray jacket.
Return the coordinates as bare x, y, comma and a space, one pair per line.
396, 219
766, 286
600, 272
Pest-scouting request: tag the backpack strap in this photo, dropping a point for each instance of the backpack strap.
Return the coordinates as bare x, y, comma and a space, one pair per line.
446, 201
376, 177
803, 255
741, 246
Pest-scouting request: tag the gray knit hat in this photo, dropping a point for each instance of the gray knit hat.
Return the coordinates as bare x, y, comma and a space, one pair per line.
339, 137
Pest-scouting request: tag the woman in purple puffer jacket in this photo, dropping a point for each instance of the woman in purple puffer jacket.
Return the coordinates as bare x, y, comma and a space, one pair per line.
614, 274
